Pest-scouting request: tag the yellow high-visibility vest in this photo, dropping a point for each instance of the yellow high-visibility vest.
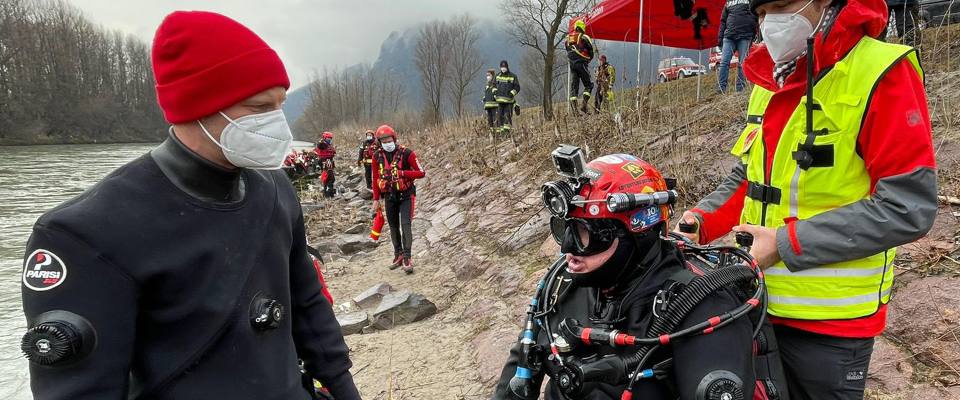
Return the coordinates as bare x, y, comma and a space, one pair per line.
836, 177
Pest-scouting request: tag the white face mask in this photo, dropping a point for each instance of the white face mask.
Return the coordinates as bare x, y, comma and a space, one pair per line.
786, 34
257, 141
503, 69
489, 78
389, 147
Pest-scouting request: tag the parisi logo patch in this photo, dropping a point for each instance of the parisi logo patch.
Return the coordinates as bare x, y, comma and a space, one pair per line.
43, 271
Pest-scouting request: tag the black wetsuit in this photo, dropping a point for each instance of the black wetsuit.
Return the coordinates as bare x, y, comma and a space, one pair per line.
630, 305
164, 257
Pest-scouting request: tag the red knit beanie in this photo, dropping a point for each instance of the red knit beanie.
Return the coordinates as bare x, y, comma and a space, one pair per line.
204, 62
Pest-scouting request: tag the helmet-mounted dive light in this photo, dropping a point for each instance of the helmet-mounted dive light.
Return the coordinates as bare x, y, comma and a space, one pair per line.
558, 197
617, 202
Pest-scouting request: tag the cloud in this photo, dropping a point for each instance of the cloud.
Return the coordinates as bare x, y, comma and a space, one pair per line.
307, 34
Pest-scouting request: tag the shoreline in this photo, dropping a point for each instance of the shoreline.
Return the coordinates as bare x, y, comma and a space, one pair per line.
77, 143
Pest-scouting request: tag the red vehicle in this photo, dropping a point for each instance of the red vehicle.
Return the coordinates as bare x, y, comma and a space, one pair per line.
678, 68
714, 61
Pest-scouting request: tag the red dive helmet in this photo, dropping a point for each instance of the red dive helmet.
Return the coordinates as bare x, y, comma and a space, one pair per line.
328, 135
386, 131
612, 194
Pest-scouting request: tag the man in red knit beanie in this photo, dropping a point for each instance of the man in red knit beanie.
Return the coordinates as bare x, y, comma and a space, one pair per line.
189, 275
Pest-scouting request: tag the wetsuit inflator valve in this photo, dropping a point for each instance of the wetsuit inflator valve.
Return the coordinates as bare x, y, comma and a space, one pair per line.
265, 313
58, 337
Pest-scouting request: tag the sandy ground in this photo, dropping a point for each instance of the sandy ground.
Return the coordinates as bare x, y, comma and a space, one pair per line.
430, 359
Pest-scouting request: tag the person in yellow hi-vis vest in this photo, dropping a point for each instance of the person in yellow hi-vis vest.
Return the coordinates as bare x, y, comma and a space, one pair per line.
836, 169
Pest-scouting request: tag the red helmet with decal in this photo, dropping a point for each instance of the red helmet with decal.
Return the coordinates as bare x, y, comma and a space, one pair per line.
385, 131
328, 135
621, 174
611, 196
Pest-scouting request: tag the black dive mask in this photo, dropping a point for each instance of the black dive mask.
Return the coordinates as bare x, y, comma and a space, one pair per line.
583, 237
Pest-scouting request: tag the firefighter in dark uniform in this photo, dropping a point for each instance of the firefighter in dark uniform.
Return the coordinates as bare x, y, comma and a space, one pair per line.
184, 274
619, 277
490, 105
580, 53
505, 93
365, 157
394, 171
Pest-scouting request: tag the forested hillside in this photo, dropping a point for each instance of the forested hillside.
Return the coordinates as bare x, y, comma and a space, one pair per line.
63, 79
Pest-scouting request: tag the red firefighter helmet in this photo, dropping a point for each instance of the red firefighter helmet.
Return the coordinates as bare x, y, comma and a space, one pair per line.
386, 131
328, 135
614, 190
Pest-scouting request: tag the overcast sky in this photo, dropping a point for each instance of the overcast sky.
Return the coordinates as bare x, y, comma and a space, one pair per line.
308, 34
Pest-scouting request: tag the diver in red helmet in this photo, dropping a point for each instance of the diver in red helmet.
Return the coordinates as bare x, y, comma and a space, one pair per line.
395, 168
630, 312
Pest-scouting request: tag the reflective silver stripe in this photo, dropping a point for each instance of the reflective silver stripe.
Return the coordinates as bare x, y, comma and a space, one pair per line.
818, 301
825, 272
794, 183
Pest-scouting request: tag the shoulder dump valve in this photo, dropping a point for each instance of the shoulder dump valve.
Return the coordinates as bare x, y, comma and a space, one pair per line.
688, 228
58, 337
265, 313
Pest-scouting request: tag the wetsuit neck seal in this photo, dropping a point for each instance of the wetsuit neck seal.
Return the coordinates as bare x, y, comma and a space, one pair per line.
197, 176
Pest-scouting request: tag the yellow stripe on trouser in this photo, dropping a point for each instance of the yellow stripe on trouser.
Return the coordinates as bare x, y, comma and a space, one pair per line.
849, 289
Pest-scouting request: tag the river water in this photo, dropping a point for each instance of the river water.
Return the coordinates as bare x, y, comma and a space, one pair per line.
34, 179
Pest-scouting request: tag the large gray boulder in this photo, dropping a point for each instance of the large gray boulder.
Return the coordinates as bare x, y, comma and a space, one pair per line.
352, 244
326, 246
372, 296
366, 194
401, 308
358, 228
353, 322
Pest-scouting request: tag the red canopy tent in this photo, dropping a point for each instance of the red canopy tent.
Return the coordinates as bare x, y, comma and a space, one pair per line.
622, 20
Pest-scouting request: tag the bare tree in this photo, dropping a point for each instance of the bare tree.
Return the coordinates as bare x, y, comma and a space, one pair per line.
531, 66
433, 53
65, 79
465, 61
537, 24
362, 95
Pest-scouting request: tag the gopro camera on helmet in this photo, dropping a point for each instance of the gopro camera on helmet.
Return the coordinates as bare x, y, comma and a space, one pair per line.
568, 160
559, 196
